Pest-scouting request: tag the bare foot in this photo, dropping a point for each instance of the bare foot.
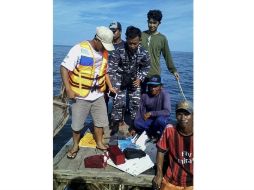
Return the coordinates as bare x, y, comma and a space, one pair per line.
132, 132
123, 128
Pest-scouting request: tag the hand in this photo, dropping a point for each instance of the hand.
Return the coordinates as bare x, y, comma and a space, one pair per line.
136, 83
71, 94
114, 90
177, 76
132, 132
157, 182
147, 115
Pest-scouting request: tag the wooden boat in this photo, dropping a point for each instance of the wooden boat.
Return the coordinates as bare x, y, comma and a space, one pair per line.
71, 172
60, 111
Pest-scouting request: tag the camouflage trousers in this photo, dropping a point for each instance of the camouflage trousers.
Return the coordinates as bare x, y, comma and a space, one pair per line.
119, 104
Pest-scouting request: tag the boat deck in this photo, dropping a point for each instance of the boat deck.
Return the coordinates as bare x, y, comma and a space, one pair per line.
66, 171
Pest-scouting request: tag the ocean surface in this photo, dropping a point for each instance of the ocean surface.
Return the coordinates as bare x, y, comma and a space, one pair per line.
183, 61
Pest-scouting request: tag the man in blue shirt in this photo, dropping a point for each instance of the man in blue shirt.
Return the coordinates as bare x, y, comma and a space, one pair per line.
154, 111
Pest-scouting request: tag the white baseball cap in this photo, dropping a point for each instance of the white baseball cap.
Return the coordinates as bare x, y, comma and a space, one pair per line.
105, 35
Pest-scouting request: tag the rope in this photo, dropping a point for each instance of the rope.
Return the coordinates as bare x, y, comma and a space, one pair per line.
181, 90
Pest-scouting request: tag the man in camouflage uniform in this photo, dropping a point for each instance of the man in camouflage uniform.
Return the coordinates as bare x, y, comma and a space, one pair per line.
128, 67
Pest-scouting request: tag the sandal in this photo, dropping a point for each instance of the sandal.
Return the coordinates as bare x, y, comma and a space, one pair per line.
72, 155
102, 149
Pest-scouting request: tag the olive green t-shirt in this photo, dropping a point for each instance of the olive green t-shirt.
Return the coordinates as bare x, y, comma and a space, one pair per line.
157, 45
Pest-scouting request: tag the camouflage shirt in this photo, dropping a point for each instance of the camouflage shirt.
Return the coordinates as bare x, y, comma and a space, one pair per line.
121, 61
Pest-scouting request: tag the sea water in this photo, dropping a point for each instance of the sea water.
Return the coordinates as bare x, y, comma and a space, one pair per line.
183, 61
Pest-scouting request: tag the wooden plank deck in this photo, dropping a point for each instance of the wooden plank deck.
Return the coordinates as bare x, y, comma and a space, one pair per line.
66, 170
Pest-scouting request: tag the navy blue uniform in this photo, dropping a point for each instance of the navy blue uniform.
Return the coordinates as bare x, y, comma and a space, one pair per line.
124, 68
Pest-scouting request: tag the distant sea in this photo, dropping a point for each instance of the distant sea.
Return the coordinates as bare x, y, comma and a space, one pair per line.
183, 61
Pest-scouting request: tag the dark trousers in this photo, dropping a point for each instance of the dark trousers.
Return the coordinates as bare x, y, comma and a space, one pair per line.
154, 126
144, 86
106, 97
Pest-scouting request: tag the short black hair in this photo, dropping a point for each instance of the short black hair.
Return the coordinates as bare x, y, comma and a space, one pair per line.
154, 14
132, 32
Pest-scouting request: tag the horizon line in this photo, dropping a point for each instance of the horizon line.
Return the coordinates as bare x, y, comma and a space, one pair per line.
170, 50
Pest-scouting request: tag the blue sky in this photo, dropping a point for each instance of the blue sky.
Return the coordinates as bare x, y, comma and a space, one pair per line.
76, 20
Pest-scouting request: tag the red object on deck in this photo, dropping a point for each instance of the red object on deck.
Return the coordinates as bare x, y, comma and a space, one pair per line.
116, 155
95, 161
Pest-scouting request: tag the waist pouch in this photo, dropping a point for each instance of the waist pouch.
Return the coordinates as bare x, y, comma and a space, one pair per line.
131, 153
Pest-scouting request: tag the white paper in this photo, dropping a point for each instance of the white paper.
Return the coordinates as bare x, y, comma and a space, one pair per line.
147, 146
137, 166
134, 166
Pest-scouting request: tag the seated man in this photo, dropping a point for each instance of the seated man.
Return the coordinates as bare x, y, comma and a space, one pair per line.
154, 110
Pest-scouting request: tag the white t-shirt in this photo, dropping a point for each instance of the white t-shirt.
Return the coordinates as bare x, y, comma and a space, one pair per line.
71, 60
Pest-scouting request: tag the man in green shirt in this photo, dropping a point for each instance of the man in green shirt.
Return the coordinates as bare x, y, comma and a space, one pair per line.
156, 44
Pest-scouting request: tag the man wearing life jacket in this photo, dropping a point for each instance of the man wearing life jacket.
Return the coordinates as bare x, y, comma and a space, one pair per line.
84, 74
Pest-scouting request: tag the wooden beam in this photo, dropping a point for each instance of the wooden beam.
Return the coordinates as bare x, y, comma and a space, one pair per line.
105, 177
